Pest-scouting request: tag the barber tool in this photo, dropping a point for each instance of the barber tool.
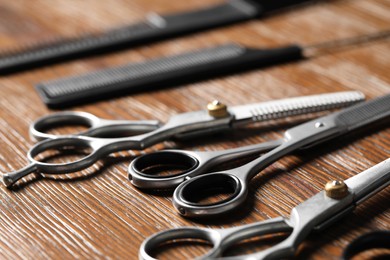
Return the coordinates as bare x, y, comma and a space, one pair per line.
162, 72
315, 214
190, 197
216, 118
155, 28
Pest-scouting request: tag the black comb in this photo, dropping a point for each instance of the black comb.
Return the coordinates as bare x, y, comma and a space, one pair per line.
158, 73
184, 68
154, 28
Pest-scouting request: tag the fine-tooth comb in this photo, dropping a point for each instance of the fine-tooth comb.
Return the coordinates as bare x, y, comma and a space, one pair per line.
154, 28
174, 70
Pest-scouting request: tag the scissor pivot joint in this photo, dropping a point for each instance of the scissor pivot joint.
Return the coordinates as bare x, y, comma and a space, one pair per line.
217, 109
336, 189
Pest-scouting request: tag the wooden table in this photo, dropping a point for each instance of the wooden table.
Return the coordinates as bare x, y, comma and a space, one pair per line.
97, 213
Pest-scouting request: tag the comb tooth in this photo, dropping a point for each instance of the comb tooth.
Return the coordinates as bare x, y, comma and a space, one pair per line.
129, 74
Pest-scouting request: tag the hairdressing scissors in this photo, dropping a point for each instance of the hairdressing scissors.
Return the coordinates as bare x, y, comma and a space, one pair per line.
218, 117
338, 199
192, 194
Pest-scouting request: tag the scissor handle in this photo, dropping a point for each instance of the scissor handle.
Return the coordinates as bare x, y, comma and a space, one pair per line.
373, 240
191, 198
153, 242
97, 127
167, 169
95, 148
210, 194
220, 239
219, 192
74, 144
59, 144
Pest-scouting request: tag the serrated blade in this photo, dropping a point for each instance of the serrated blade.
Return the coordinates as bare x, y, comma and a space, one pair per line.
294, 106
364, 113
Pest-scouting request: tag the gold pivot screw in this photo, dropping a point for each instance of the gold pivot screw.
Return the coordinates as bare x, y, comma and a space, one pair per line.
217, 109
336, 189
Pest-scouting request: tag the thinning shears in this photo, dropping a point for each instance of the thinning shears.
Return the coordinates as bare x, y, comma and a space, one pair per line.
199, 193
216, 118
338, 199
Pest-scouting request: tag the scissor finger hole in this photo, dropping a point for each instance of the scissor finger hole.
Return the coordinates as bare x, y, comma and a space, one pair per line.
211, 190
255, 244
164, 164
189, 247
61, 151
64, 124
179, 243
66, 154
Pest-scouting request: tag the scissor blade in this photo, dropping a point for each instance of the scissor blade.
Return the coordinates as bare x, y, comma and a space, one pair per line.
324, 128
364, 113
370, 181
319, 211
293, 106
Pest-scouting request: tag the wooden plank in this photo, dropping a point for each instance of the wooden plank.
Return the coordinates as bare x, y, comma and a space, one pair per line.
97, 213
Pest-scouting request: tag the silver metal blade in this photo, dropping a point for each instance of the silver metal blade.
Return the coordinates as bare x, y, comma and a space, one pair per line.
364, 113
370, 181
293, 106
330, 126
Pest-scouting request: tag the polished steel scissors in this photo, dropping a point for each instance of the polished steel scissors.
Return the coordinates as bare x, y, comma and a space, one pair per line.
217, 118
334, 202
192, 194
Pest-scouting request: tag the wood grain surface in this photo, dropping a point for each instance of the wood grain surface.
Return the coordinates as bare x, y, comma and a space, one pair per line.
98, 214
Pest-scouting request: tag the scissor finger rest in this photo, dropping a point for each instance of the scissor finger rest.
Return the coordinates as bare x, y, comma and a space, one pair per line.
47, 148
